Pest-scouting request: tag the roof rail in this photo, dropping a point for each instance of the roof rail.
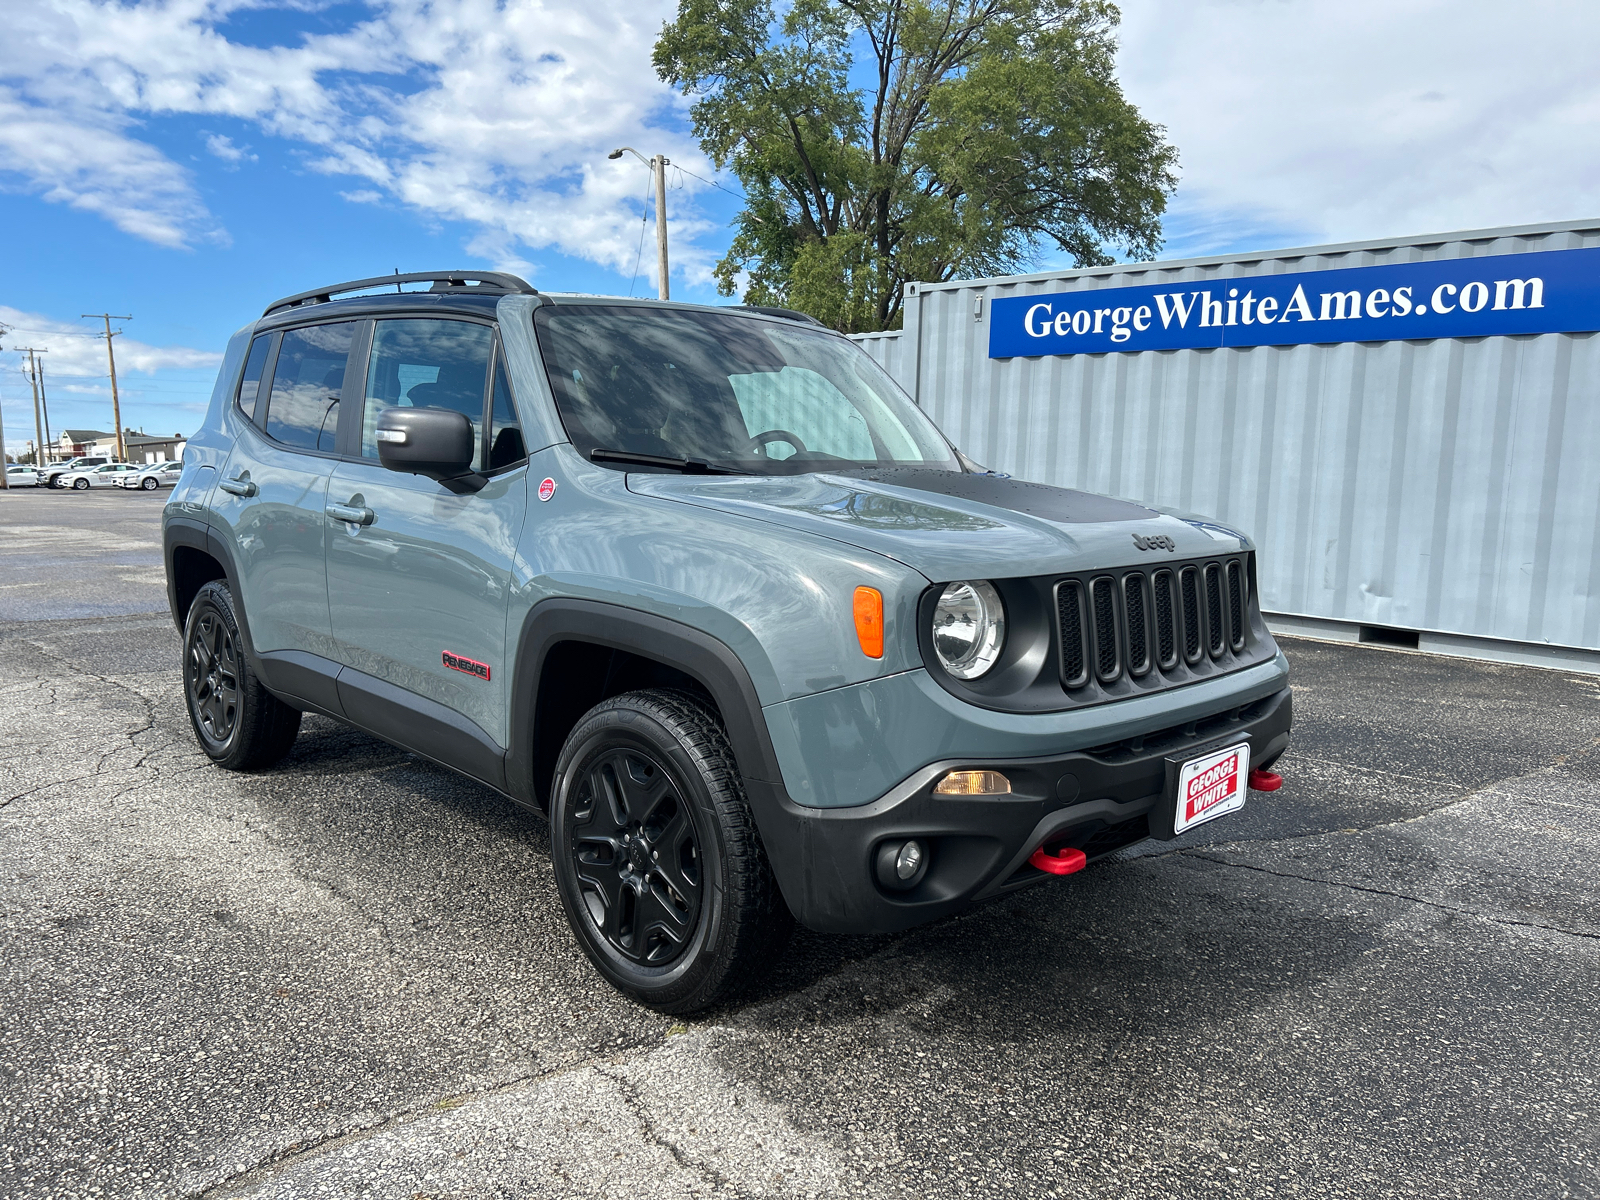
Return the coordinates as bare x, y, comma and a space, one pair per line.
443, 281
787, 313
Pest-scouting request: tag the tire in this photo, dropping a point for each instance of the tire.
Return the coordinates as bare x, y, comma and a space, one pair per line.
149, 485
240, 725
80, 485
660, 868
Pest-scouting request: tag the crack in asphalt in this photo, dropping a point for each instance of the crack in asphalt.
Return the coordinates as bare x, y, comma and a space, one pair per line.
132, 736
298, 1152
636, 1105
1376, 891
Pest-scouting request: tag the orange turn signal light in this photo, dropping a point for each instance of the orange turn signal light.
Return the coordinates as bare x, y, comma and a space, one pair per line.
973, 783
869, 621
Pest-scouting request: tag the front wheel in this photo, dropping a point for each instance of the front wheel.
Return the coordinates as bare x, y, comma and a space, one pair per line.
660, 868
241, 725
80, 485
149, 485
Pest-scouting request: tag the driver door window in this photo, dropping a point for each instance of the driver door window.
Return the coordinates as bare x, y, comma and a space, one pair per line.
427, 363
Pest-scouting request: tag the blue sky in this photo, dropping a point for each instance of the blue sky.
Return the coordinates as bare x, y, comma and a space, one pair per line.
187, 161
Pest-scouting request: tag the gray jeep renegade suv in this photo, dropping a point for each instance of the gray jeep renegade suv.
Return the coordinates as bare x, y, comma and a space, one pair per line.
707, 588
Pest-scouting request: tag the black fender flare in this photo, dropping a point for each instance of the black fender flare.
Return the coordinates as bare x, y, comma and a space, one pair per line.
197, 535
693, 651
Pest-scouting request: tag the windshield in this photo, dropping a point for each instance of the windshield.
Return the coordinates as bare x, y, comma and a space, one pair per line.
734, 391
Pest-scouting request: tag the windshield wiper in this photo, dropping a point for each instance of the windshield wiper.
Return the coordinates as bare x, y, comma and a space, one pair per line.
688, 466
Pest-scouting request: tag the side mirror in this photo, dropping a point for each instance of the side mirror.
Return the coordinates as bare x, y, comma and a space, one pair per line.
436, 442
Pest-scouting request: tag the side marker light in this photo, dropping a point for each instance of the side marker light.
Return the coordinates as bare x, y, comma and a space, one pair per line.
973, 783
869, 621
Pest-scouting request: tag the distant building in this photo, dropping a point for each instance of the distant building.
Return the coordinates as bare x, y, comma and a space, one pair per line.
140, 447
73, 442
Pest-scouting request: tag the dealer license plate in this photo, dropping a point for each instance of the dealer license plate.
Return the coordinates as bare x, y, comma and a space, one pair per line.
1212, 786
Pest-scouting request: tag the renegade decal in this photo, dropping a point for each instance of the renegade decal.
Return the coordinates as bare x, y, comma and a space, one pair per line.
467, 666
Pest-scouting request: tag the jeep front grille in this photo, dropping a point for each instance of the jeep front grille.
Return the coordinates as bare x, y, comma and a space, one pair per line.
1172, 624
1069, 617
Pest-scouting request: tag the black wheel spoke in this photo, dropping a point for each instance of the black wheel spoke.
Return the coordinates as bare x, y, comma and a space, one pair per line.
647, 787
612, 794
603, 886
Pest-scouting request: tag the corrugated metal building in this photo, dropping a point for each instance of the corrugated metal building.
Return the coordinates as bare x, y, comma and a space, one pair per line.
1446, 487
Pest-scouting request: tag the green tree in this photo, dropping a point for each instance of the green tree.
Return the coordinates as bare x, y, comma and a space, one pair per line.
885, 141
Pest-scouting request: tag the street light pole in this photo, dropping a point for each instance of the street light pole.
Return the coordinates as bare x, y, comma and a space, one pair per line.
116, 406
658, 173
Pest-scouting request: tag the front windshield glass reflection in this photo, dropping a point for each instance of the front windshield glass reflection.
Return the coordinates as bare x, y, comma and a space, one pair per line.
734, 391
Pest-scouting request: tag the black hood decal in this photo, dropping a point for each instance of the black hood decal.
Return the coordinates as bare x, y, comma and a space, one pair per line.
1065, 506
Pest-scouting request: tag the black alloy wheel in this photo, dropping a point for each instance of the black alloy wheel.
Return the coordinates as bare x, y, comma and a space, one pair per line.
636, 856
213, 679
661, 870
240, 725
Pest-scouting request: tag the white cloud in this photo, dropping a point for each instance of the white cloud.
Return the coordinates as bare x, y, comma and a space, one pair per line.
75, 351
500, 116
1370, 118
224, 149
87, 161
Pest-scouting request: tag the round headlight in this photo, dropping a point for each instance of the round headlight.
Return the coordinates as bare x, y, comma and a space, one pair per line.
969, 628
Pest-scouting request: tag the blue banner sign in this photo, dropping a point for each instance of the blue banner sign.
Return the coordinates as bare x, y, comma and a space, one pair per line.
1552, 291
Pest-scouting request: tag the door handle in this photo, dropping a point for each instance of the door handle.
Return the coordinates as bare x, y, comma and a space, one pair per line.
240, 486
355, 516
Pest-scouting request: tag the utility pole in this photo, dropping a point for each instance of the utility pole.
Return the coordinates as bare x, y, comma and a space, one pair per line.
111, 358
38, 424
44, 399
5, 477
658, 165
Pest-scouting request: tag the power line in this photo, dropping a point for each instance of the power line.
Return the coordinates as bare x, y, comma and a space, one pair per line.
713, 183
644, 223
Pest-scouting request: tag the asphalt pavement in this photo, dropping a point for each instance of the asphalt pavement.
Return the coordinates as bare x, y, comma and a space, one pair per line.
350, 975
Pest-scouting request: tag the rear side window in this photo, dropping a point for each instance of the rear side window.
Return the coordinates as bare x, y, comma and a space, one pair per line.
303, 409
254, 365
427, 362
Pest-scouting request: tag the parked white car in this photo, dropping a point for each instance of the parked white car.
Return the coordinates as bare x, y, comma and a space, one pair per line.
103, 476
54, 472
156, 475
20, 475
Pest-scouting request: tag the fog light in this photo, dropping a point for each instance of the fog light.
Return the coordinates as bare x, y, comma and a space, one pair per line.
973, 783
901, 865
909, 861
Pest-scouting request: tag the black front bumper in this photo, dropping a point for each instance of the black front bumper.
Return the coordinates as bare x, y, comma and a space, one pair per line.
1095, 800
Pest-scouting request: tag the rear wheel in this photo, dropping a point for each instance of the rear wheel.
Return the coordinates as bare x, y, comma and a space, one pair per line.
241, 726
661, 871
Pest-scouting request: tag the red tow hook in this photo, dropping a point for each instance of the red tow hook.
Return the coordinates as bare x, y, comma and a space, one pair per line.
1265, 781
1065, 863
